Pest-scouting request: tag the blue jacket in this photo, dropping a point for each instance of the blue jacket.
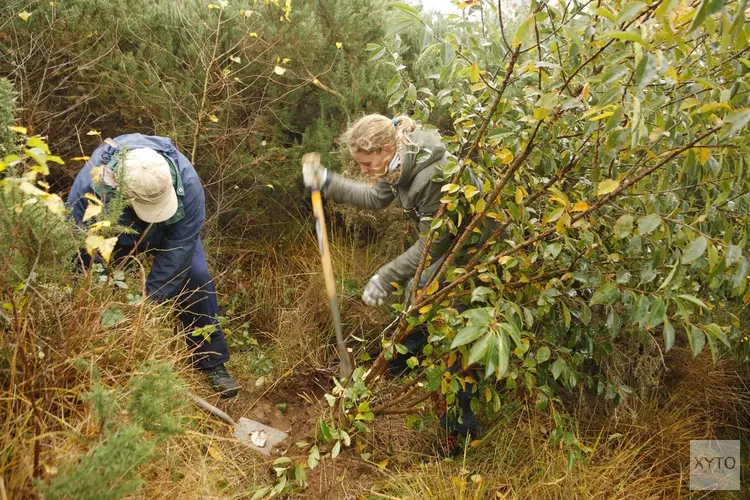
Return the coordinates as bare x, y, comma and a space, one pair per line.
173, 243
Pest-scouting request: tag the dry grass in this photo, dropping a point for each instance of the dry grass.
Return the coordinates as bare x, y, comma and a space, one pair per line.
643, 456
274, 290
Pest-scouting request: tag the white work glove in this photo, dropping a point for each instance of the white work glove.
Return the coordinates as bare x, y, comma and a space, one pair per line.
374, 293
309, 170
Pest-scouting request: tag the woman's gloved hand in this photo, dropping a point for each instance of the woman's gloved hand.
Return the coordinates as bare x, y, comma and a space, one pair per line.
309, 171
375, 293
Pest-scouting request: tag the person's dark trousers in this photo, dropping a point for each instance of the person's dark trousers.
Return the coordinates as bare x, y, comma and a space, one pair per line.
414, 343
199, 307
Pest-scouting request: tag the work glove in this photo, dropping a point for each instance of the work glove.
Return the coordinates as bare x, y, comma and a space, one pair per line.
375, 293
309, 170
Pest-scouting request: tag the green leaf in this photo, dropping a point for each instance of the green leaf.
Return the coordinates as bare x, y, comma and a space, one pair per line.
694, 300
738, 120
468, 334
585, 314
694, 250
503, 349
645, 72
111, 317
668, 332
715, 330
697, 339
394, 84
314, 457
411, 93
706, 8
558, 367
614, 74
449, 53
606, 294
740, 273
629, 11
524, 31
412, 11
624, 226
658, 313
626, 36
641, 310
543, 354
325, 431
648, 224
377, 55
668, 280
396, 98
734, 252
479, 349
665, 8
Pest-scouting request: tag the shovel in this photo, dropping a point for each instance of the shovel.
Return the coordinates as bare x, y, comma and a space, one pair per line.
345, 366
257, 436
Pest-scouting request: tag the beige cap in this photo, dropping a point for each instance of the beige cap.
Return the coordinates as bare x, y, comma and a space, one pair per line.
149, 185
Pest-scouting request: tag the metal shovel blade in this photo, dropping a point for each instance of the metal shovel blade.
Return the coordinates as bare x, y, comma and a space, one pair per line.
257, 436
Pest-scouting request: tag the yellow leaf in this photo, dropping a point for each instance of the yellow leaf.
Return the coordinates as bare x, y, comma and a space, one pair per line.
254, 35
54, 203
602, 116
93, 132
474, 74
92, 210
562, 223
580, 206
339, 45
703, 155
383, 463
93, 242
672, 73
24, 15
451, 359
519, 195
607, 186
711, 106
80, 158
235, 59
432, 288
285, 60
213, 6
107, 247
95, 227
585, 92
541, 113
215, 454
20, 130
505, 156
279, 70
213, 118
425, 309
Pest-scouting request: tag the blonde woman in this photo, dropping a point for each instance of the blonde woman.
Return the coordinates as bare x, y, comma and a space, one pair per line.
404, 162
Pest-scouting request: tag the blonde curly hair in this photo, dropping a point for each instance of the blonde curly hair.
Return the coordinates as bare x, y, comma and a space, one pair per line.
371, 133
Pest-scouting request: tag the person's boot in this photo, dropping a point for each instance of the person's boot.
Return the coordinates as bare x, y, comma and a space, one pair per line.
221, 381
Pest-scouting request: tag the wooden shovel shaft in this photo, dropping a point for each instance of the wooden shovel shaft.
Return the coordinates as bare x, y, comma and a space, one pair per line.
211, 408
345, 368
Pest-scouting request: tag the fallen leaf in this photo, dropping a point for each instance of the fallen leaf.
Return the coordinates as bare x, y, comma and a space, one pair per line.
24, 15
93, 132
279, 70
339, 45
20, 130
